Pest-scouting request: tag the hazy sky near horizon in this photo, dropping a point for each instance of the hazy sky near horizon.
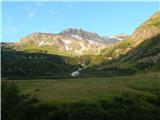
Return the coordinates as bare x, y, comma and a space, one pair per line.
106, 18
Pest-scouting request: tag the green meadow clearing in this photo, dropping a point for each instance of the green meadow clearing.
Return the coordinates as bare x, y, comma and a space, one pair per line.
90, 89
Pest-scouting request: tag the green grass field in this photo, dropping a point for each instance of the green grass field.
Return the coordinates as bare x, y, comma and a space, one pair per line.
90, 89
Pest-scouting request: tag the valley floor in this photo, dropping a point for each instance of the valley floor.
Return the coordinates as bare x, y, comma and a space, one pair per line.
90, 89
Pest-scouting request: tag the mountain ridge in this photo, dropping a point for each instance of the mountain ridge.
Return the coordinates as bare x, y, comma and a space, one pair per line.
71, 41
139, 53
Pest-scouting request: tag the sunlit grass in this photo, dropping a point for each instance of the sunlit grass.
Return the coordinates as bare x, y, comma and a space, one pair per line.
90, 89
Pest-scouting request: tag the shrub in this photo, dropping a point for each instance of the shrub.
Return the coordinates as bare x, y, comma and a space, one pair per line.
125, 107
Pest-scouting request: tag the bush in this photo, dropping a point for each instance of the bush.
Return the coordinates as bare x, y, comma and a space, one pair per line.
14, 105
10, 99
125, 107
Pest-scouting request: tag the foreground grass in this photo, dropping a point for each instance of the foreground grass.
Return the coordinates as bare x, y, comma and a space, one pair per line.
117, 98
90, 89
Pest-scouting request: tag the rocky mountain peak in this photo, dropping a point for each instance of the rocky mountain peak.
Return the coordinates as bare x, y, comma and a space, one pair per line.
74, 31
81, 34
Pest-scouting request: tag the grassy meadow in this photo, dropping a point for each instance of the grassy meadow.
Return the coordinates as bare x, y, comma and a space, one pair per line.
90, 89
109, 98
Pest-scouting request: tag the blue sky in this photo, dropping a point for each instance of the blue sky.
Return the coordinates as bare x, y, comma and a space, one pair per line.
106, 18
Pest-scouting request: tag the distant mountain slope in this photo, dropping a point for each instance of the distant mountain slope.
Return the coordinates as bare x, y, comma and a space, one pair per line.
21, 65
69, 42
147, 30
39, 64
145, 41
90, 36
145, 56
141, 52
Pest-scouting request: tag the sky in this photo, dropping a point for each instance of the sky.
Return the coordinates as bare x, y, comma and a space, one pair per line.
105, 18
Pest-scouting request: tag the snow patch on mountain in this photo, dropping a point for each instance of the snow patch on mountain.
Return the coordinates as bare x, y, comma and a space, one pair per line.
113, 37
67, 41
94, 42
43, 43
76, 37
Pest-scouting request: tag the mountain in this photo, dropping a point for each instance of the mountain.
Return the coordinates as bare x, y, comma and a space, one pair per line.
146, 38
90, 36
45, 55
117, 37
140, 53
69, 42
147, 30
84, 53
